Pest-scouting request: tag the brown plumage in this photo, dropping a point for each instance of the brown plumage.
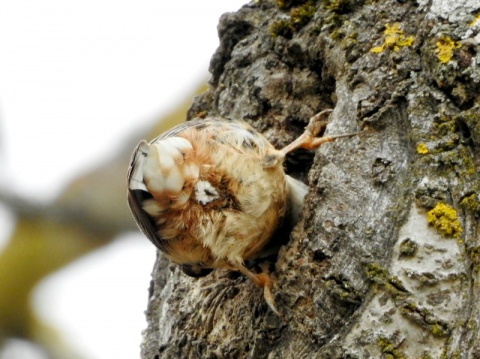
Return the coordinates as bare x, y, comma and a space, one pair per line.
210, 193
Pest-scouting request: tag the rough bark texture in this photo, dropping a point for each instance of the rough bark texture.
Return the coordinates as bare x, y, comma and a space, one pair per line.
385, 260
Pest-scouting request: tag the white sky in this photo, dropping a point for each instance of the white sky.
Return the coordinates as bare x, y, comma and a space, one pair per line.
69, 70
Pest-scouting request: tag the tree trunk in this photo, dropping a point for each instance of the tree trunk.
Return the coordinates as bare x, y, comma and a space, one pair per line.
385, 260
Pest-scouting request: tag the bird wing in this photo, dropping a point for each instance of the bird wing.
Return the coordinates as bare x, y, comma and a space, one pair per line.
137, 194
197, 123
137, 190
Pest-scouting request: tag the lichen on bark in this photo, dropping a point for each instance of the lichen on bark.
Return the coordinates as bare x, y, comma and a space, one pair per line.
362, 275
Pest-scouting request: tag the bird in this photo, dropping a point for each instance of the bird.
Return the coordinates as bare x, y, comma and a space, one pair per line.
211, 192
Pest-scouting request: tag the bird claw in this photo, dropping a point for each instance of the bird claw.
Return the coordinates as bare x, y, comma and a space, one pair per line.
262, 280
267, 295
308, 139
318, 122
266, 282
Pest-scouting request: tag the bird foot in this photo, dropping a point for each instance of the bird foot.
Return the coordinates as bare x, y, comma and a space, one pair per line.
266, 282
262, 280
308, 139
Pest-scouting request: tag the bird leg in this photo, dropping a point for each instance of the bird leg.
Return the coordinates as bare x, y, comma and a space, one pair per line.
308, 139
262, 280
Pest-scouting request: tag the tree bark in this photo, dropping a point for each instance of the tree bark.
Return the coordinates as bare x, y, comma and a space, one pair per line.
385, 259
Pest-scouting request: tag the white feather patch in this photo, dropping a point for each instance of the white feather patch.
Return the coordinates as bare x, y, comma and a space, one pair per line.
152, 207
166, 160
205, 192
296, 193
174, 181
172, 152
180, 143
190, 172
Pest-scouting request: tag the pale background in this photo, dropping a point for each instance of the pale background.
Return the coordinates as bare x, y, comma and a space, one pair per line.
95, 70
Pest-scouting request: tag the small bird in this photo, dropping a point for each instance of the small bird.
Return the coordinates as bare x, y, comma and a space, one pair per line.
211, 192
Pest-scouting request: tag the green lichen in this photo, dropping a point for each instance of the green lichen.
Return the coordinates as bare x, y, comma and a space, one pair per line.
444, 140
298, 17
281, 28
470, 203
397, 284
388, 349
459, 159
342, 6
343, 291
437, 330
445, 47
379, 275
387, 317
334, 22
393, 39
376, 273
445, 125
475, 256
471, 119
408, 248
336, 34
348, 41
444, 219
287, 4
425, 319
444, 353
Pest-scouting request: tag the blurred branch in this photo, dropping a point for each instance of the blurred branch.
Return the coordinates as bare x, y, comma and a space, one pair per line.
88, 214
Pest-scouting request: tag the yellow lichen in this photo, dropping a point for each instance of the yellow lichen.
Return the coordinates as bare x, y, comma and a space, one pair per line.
445, 47
475, 21
444, 218
422, 148
394, 39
